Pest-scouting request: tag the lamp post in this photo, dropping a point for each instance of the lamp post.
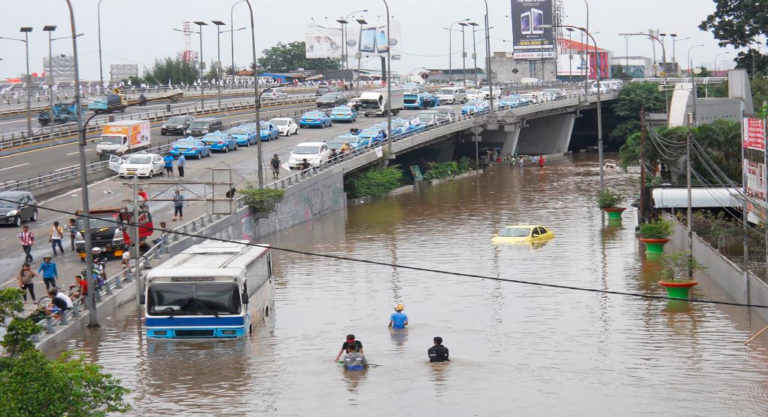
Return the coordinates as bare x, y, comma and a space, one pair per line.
675, 40
232, 33
586, 60
626, 50
26, 30
93, 316
570, 55
256, 97
101, 71
50, 29
359, 54
218, 24
463, 54
663, 58
690, 63
343, 23
345, 37
474, 51
714, 67
450, 48
389, 86
599, 110
200, 25
488, 56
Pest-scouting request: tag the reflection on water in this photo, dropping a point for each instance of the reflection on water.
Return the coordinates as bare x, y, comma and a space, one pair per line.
515, 349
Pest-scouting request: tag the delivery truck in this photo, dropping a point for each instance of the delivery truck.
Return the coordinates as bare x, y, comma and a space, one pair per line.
109, 103
374, 103
123, 137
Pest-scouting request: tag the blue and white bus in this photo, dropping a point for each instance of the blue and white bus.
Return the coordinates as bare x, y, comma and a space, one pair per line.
211, 290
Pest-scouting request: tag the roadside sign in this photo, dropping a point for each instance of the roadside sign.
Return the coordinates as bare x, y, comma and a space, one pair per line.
753, 133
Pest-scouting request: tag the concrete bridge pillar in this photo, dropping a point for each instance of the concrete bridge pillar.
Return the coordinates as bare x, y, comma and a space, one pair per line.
546, 135
443, 151
511, 135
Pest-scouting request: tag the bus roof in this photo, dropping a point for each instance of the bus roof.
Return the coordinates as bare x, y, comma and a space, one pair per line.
211, 259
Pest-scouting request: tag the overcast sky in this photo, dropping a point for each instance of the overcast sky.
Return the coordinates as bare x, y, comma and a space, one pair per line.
139, 31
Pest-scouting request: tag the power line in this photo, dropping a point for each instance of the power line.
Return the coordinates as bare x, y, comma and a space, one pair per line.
423, 269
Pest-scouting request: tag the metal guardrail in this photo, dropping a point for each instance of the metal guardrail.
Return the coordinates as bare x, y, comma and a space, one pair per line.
114, 283
10, 140
67, 173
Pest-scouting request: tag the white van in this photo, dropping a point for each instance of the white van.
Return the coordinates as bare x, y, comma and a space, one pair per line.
452, 95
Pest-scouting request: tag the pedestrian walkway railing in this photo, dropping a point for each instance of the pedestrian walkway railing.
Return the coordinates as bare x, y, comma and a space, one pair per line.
115, 283
11, 140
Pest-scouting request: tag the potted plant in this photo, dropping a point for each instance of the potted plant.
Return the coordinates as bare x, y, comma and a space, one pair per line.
608, 201
655, 234
675, 270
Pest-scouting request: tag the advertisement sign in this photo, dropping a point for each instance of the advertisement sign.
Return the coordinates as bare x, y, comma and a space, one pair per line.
530, 40
374, 38
755, 175
571, 64
321, 42
753, 133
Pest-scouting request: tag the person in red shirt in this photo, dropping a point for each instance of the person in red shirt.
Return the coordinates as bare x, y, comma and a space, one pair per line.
541, 161
143, 194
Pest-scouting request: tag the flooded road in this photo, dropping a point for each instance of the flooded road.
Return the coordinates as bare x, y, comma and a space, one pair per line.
515, 349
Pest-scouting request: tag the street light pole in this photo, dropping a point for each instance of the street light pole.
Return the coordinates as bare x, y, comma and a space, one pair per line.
450, 49
346, 36
200, 25
714, 67
626, 51
50, 29
359, 54
389, 87
463, 55
26, 31
663, 58
93, 314
101, 71
257, 98
232, 34
599, 109
218, 24
474, 51
343, 23
488, 56
690, 63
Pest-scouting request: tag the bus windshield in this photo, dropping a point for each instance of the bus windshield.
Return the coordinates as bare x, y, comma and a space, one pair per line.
209, 299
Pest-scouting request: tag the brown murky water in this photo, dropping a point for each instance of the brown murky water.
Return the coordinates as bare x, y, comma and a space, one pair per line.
516, 350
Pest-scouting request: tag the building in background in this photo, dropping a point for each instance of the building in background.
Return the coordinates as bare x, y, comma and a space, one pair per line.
63, 69
119, 72
633, 66
577, 60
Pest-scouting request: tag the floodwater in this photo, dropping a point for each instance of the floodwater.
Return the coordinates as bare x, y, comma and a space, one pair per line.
516, 349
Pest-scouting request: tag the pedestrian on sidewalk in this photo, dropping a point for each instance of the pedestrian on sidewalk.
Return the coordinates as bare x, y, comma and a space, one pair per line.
55, 235
25, 277
48, 268
72, 232
168, 164
275, 163
178, 205
180, 163
27, 239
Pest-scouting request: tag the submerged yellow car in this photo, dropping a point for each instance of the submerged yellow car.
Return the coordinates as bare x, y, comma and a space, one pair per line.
523, 233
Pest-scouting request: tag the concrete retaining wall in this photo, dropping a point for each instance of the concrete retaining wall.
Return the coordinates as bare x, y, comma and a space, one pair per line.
725, 273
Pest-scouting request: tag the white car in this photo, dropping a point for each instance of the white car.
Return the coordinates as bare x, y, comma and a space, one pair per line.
285, 125
487, 92
138, 164
316, 153
452, 95
474, 94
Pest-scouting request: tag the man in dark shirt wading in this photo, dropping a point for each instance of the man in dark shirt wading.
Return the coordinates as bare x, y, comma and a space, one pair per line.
438, 352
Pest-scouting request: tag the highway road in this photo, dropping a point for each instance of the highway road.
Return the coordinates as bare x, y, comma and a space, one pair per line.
18, 122
113, 191
36, 162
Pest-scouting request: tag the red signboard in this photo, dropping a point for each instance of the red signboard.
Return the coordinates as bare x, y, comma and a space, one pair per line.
755, 176
753, 134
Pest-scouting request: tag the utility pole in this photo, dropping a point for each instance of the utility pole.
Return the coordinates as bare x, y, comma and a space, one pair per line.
218, 24
200, 25
643, 190
134, 249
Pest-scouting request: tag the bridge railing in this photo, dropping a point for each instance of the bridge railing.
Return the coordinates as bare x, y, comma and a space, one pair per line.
14, 139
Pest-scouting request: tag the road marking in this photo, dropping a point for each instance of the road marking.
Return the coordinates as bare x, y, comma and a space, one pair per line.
75, 153
15, 166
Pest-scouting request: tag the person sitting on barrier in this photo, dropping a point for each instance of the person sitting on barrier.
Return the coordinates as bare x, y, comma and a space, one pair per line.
333, 154
345, 148
79, 290
61, 301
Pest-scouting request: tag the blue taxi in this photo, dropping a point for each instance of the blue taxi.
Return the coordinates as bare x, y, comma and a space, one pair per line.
315, 118
268, 131
245, 135
190, 147
343, 114
221, 141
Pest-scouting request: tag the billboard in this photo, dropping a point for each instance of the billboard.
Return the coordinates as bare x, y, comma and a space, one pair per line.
571, 64
374, 38
530, 39
753, 133
322, 42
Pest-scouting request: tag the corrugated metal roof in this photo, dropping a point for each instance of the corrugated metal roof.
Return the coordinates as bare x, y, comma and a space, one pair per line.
700, 197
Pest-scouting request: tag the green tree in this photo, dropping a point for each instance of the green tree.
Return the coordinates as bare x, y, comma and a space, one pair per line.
33, 385
753, 62
737, 23
292, 56
176, 70
626, 109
